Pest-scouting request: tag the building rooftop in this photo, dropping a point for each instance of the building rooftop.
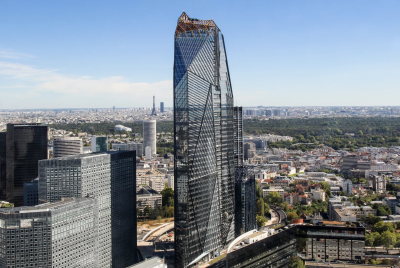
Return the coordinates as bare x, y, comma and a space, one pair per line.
311, 264
40, 208
146, 190
256, 234
149, 263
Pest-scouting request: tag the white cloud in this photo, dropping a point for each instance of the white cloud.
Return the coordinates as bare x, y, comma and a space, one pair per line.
69, 91
11, 54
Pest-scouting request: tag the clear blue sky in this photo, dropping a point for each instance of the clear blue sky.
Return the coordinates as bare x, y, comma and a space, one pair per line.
75, 54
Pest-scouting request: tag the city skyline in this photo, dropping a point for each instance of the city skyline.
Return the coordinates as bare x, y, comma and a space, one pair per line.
90, 58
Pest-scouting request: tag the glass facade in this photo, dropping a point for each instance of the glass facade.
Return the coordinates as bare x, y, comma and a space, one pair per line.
31, 193
3, 136
21, 147
238, 133
99, 144
273, 251
245, 200
204, 142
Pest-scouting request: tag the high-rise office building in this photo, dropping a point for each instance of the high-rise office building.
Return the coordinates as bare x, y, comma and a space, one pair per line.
204, 142
238, 134
249, 150
108, 177
62, 234
99, 144
131, 146
162, 107
21, 147
3, 156
277, 112
245, 203
67, 146
153, 112
150, 136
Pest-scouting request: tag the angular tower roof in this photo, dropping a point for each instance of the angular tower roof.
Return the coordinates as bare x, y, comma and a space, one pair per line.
185, 23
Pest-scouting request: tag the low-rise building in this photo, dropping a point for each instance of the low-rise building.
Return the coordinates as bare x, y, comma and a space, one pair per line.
330, 243
347, 186
391, 202
143, 177
157, 184
279, 190
147, 197
291, 198
353, 213
318, 194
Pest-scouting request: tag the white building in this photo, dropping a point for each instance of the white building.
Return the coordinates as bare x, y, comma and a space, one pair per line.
279, 190
347, 186
318, 195
122, 128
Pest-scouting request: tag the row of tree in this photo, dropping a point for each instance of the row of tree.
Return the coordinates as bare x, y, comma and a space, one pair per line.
309, 133
383, 234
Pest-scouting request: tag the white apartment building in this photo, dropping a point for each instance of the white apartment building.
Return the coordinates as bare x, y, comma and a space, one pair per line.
279, 190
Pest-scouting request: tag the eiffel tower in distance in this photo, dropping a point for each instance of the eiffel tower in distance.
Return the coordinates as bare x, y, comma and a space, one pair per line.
153, 112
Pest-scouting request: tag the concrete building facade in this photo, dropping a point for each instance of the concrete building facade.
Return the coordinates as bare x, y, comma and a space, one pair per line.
67, 146
61, 234
150, 135
108, 177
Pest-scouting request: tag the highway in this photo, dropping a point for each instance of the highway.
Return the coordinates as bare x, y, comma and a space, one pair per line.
281, 214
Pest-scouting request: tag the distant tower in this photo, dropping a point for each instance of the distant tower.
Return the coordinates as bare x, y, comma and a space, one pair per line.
149, 136
161, 107
154, 106
114, 108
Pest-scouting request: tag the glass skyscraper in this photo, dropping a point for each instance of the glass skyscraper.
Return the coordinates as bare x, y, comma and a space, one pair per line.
21, 147
204, 142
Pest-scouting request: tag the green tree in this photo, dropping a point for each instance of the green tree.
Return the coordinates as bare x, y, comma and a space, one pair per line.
167, 196
292, 215
296, 262
375, 262
260, 221
266, 208
260, 207
381, 212
376, 237
381, 227
258, 192
373, 219
285, 206
388, 240
273, 198
369, 241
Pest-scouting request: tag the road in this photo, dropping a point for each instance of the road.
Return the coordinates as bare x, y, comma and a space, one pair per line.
281, 214
146, 247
